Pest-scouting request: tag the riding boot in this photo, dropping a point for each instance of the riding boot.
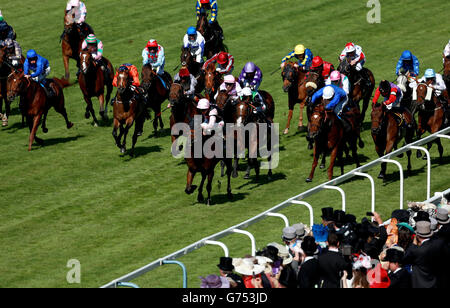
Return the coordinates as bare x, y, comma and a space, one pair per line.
366, 78
347, 126
113, 100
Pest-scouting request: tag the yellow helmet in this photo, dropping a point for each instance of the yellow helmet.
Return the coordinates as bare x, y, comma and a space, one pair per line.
299, 50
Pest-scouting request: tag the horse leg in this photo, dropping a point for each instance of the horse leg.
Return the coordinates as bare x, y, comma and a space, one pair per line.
114, 132
440, 149
125, 133
209, 187
334, 154
102, 111
200, 197
235, 167
229, 165
44, 121
137, 129
314, 164
288, 124
354, 148
322, 163
90, 110
190, 178
301, 128
66, 67
222, 168
35, 124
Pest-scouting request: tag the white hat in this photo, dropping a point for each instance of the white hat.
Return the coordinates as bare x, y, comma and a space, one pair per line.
247, 267
328, 92
246, 91
74, 3
203, 104
229, 79
282, 253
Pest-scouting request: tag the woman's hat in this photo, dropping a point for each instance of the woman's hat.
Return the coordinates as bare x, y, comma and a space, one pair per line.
214, 282
247, 267
378, 278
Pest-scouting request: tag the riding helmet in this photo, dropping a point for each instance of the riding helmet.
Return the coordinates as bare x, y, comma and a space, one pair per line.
191, 31
249, 67
31, 54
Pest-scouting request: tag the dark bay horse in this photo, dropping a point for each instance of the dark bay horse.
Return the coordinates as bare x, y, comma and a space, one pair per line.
34, 102
213, 43
157, 93
92, 81
187, 60
386, 134
213, 80
127, 110
179, 106
294, 84
359, 90
430, 115
5, 69
71, 41
328, 134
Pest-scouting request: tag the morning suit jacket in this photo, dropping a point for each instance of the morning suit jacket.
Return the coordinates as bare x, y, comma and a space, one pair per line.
308, 275
331, 266
425, 263
400, 280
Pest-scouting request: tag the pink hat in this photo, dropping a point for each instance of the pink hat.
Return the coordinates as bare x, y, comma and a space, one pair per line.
335, 76
229, 79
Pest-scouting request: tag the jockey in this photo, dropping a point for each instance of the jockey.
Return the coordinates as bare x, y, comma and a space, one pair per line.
80, 16
446, 52
392, 95
321, 67
187, 80
196, 42
251, 76
339, 80
6, 31
231, 87
202, 6
95, 47
211, 116
13, 52
258, 103
408, 63
153, 54
225, 61
336, 99
355, 55
133, 75
38, 68
302, 54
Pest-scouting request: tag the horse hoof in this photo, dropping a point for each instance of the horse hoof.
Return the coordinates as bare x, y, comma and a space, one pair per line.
230, 196
70, 125
301, 129
45, 130
208, 202
310, 146
122, 150
190, 190
247, 176
87, 115
381, 176
400, 155
95, 124
234, 175
419, 154
286, 131
200, 199
424, 157
322, 166
361, 144
308, 180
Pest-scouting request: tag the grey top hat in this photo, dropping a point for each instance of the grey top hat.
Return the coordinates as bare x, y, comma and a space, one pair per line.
299, 229
423, 229
289, 233
442, 216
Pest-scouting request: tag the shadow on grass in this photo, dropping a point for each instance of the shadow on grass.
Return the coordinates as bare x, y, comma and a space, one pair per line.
263, 179
142, 151
161, 133
219, 199
11, 129
55, 141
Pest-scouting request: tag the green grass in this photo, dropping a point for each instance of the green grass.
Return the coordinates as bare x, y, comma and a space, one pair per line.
77, 198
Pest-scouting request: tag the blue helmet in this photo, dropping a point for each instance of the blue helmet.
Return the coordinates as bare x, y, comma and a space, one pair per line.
191, 31
430, 73
31, 54
407, 55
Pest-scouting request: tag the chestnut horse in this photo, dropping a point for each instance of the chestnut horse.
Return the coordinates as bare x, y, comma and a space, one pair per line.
386, 134
127, 110
92, 81
157, 93
71, 41
359, 90
213, 43
328, 134
294, 85
34, 102
431, 115
213, 80
6, 69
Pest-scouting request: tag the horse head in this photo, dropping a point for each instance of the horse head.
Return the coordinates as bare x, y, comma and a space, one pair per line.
212, 80
148, 75
186, 57
123, 80
422, 95
377, 117
313, 82
316, 121
289, 75
16, 84
345, 68
86, 61
222, 100
69, 21
242, 112
202, 24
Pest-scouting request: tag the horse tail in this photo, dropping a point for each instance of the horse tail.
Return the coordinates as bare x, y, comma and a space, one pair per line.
63, 83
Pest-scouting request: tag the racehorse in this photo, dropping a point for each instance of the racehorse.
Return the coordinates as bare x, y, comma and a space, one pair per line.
35, 103
5, 70
71, 41
156, 91
127, 110
294, 85
179, 107
187, 60
243, 114
92, 81
328, 134
446, 74
213, 80
359, 89
387, 133
213, 42
431, 115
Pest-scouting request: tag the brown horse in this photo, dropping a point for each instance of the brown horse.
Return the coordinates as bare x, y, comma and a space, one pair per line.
446, 74
213, 42
431, 115
294, 84
386, 134
187, 60
328, 134
213, 80
92, 81
157, 93
359, 89
179, 107
35, 103
6, 69
127, 110
71, 41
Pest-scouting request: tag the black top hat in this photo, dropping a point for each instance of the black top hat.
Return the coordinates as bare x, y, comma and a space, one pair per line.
394, 255
339, 216
422, 216
226, 264
327, 213
400, 215
349, 218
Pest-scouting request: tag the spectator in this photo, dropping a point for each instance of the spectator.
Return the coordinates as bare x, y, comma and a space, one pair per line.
327, 217
251, 272
226, 268
377, 236
320, 233
400, 277
339, 219
308, 275
214, 282
406, 235
283, 270
332, 264
443, 234
378, 278
361, 263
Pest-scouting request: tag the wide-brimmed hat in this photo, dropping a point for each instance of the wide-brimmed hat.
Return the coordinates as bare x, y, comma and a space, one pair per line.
422, 216
327, 213
378, 278
289, 233
282, 253
299, 229
226, 264
394, 255
214, 282
247, 267
423, 229
406, 225
442, 216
